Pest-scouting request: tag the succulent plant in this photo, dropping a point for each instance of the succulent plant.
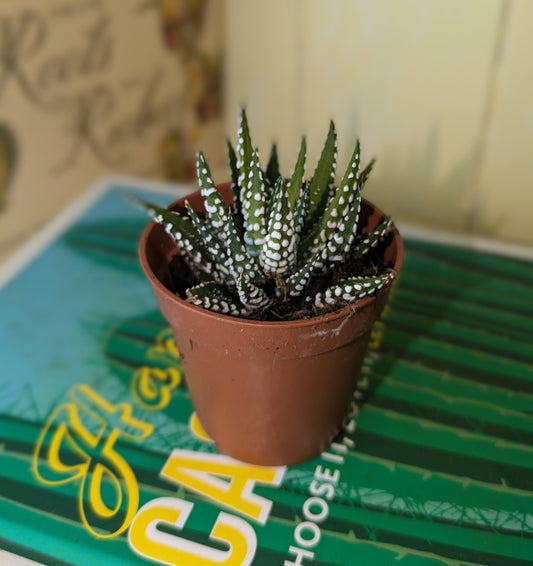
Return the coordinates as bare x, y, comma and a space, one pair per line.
279, 235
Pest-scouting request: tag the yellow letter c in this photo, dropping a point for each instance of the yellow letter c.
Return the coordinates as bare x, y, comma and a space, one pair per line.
150, 542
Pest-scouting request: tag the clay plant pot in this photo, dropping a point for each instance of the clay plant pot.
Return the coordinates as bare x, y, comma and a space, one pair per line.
268, 393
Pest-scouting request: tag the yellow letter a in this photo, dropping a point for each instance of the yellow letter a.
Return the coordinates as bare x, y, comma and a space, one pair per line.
203, 474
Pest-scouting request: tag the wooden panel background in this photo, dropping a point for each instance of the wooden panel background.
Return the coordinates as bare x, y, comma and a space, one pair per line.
440, 92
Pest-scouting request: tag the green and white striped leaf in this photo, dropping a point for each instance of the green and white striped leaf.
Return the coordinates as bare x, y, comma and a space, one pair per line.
352, 170
323, 179
181, 230
297, 179
365, 242
237, 260
213, 297
244, 149
254, 205
235, 187
364, 174
353, 288
250, 295
302, 205
278, 253
217, 252
216, 208
340, 238
299, 280
332, 229
340, 241
272, 171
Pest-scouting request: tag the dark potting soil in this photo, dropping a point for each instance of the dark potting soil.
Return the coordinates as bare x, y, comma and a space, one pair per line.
180, 277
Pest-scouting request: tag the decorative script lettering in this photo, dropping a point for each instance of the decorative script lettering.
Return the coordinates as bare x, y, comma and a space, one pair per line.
75, 81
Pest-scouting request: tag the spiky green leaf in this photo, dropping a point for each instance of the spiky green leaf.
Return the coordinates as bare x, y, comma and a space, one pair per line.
299, 280
244, 149
278, 253
353, 288
238, 260
341, 238
272, 171
250, 295
234, 172
232, 161
254, 206
302, 205
364, 174
213, 297
323, 178
294, 187
216, 208
340, 241
337, 219
210, 240
365, 242
181, 230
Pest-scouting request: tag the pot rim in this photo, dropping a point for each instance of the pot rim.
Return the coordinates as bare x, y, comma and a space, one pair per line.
321, 318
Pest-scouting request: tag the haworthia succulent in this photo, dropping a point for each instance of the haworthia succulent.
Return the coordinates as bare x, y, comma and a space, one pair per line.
279, 233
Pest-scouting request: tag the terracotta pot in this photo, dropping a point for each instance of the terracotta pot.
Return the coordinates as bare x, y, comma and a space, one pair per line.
268, 393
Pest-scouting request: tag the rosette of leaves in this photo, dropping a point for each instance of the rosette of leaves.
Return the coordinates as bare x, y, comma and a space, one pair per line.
280, 235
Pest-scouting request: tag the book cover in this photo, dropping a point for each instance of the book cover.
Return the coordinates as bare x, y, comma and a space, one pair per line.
102, 460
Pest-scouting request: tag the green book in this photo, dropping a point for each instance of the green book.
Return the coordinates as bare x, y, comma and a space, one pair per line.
102, 459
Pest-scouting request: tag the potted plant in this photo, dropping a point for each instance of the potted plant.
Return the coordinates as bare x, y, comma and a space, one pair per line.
271, 286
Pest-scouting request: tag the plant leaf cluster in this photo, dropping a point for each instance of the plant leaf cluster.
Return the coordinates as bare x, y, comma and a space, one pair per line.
278, 234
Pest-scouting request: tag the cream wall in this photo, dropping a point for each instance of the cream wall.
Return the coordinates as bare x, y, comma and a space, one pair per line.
440, 92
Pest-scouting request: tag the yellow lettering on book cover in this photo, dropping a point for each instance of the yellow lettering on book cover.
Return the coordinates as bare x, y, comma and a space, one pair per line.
149, 541
203, 473
87, 429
